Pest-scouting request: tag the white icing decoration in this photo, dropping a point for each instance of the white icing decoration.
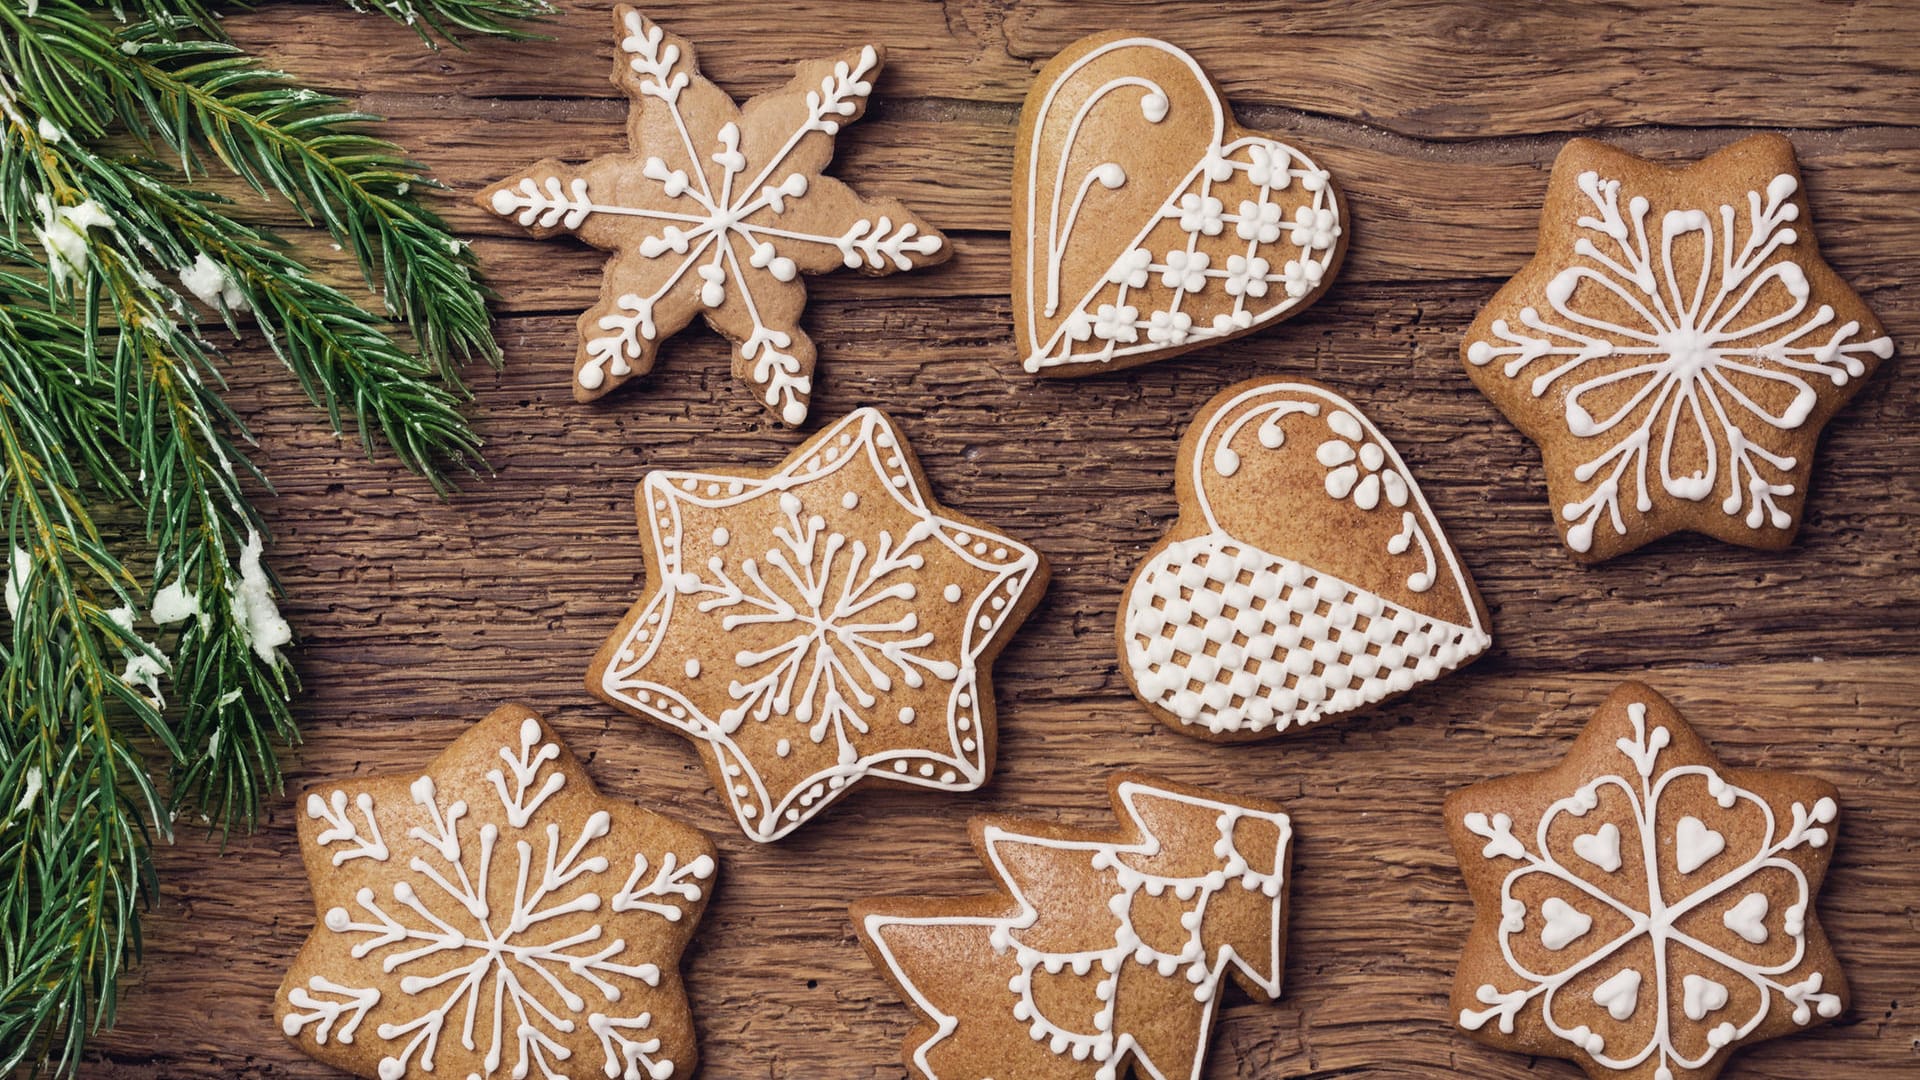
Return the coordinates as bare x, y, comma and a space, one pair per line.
1601, 848
1201, 962
1619, 995
1115, 326
1261, 673
1358, 469
341, 827
327, 1011
712, 223
1699, 367
824, 658
444, 926
1701, 996
1748, 918
1565, 924
1659, 923
1694, 845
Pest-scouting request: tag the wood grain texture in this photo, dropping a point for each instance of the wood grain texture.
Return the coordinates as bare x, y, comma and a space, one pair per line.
419, 616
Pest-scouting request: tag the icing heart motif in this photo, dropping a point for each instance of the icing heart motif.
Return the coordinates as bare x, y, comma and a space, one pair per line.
1619, 995
1565, 924
1694, 844
1306, 578
1602, 848
1702, 996
1146, 222
1748, 918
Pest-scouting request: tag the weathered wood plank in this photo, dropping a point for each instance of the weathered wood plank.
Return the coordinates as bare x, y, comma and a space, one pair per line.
1444, 70
1418, 212
417, 616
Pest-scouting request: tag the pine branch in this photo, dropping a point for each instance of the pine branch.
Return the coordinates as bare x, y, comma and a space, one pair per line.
110, 394
189, 97
450, 18
74, 845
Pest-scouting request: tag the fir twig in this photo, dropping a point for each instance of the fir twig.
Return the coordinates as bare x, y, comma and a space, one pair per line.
110, 394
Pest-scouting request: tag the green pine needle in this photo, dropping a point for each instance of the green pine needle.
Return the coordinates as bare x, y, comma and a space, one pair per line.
113, 269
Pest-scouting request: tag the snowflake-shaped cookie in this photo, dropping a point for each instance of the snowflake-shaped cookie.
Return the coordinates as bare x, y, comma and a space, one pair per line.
818, 625
1675, 346
1110, 951
495, 916
1644, 911
717, 210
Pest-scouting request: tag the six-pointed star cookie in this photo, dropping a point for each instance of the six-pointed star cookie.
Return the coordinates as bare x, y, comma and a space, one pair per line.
1643, 910
1675, 346
495, 916
717, 210
819, 624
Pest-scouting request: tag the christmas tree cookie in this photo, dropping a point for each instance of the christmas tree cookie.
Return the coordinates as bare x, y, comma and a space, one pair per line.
1108, 951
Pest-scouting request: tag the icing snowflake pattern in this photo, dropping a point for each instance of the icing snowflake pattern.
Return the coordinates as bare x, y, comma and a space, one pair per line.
1136, 964
496, 966
729, 215
821, 629
1720, 353
1647, 934
1222, 249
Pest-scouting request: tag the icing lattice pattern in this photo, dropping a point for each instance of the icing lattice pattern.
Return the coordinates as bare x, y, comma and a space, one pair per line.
1237, 639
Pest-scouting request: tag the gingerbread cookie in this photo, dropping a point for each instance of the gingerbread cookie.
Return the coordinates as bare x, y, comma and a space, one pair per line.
495, 915
717, 210
1146, 222
1675, 346
818, 624
1643, 910
1306, 578
1108, 947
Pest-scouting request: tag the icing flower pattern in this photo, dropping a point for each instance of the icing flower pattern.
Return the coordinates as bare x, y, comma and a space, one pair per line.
1620, 909
732, 214
1358, 466
1694, 330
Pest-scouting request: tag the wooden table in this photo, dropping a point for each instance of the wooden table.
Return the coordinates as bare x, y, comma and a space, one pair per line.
418, 616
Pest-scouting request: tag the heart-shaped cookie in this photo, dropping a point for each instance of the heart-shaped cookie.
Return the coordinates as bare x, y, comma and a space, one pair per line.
1306, 578
1146, 222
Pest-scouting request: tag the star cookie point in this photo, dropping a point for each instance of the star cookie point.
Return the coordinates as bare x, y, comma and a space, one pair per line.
1675, 346
1642, 909
717, 211
819, 624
